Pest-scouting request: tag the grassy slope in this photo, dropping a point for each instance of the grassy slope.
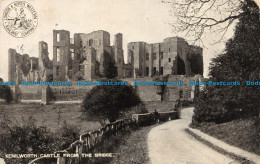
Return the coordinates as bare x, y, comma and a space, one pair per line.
133, 148
51, 116
239, 133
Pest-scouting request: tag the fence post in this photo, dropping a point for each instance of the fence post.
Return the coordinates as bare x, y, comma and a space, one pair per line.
60, 160
79, 150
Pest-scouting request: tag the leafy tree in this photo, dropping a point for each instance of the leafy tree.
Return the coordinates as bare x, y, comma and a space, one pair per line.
108, 102
240, 62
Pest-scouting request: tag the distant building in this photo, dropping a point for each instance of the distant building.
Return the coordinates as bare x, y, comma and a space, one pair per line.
87, 57
173, 56
23, 67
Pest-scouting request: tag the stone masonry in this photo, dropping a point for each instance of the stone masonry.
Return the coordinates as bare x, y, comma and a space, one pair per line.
173, 56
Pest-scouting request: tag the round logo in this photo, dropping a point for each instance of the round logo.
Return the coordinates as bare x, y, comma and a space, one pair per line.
2, 161
20, 19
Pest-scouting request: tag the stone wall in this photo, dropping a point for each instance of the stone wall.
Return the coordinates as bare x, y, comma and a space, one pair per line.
159, 58
30, 92
149, 118
172, 93
150, 93
69, 93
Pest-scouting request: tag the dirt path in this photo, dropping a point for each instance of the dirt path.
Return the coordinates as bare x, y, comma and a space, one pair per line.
170, 144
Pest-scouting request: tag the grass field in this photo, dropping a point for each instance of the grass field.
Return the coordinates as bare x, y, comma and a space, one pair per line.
52, 116
240, 133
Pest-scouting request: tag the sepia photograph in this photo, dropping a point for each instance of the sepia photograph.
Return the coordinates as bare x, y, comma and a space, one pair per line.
129, 82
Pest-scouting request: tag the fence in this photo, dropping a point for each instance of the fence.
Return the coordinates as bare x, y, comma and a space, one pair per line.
96, 138
148, 118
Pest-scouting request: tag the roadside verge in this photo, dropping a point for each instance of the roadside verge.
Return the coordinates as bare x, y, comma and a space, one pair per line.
236, 153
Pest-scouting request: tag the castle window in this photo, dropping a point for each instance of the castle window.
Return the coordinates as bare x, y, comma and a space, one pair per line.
72, 54
154, 71
58, 37
119, 60
147, 56
169, 60
147, 71
181, 94
169, 49
161, 55
58, 54
90, 42
81, 44
161, 71
154, 56
58, 70
133, 47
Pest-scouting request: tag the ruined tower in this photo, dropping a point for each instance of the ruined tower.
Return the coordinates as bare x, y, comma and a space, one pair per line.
44, 63
61, 53
89, 64
119, 54
11, 65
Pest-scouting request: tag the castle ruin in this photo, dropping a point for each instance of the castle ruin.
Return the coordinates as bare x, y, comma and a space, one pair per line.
87, 57
174, 56
84, 57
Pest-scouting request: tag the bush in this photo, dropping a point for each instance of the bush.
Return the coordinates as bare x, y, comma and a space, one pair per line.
66, 135
28, 138
161, 88
223, 104
107, 102
6, 93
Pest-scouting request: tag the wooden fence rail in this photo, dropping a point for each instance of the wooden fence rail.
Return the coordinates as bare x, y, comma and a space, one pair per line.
88, 141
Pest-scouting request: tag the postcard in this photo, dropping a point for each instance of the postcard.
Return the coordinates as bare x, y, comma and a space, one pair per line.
129, 82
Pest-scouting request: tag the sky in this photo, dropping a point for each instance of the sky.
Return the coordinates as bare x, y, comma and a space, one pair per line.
137, 20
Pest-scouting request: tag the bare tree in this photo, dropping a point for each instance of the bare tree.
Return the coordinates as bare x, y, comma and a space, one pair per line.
194, 17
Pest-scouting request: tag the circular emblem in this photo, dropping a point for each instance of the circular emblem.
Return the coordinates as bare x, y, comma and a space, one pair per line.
20, 19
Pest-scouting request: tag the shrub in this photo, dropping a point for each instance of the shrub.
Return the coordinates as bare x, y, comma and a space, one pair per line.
6, 93
106, 102
223, 103
28, 138
66, 135
161, 88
